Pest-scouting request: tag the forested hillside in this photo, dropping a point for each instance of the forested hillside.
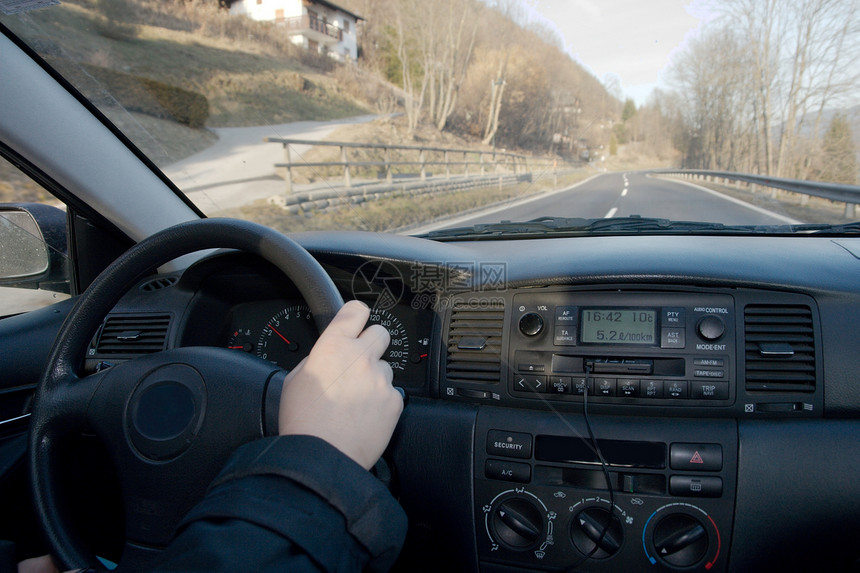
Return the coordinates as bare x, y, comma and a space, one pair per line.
483, 69
767, 89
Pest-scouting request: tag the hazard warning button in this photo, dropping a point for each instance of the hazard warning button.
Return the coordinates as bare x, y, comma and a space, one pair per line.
696, 457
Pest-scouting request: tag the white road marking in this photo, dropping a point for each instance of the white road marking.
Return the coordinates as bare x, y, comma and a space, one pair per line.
755, 208
611, 213
457, 221
624, 192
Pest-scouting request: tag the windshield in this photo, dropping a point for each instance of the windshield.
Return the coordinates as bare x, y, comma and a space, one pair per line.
415, 117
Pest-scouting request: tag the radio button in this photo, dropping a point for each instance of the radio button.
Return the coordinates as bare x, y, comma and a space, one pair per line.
674, 316
564, 336
701, 390
565, 315
673, 338
526, 383
508, 471
709, 373
715, 362
530, 367
509, 444
604, 386
651, 389
628, 388
676, 389
559, 384
579, 386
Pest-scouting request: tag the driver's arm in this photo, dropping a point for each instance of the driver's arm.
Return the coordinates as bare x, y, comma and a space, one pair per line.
304, 501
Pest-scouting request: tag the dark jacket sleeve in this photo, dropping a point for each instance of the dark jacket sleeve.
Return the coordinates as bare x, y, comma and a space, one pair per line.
290, 503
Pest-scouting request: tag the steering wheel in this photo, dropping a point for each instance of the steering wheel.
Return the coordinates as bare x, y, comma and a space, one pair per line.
168, 420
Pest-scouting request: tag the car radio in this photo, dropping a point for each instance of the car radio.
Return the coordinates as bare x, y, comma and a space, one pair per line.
627, 347
557, 345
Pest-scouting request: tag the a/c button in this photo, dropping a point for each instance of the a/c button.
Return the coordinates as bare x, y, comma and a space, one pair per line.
508, 471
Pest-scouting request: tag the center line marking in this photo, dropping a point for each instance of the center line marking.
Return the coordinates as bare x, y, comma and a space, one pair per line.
624, 192
611, 213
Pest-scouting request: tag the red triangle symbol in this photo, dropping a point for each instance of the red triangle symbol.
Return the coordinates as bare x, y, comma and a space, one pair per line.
696, 459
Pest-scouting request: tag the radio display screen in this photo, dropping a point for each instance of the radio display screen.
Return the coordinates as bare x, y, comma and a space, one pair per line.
618, 326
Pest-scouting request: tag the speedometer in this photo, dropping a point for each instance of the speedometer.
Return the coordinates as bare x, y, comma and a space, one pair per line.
397, 354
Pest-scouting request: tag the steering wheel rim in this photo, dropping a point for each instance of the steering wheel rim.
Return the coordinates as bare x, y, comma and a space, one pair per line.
62, 394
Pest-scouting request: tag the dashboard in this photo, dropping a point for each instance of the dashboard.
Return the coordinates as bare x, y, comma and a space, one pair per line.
653, 404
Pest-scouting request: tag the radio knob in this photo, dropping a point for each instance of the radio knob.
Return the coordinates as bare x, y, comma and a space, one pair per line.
531, 324
711, 327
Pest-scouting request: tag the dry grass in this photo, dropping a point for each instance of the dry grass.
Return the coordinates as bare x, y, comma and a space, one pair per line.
250, 72
17, 187
635, 156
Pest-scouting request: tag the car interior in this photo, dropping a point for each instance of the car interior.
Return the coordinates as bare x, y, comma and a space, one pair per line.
630, 402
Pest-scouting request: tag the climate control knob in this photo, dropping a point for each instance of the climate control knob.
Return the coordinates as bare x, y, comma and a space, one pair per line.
531, 324
517, 523
587, 533
680, 540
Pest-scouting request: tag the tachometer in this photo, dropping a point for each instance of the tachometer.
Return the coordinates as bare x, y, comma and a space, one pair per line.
287, 336
397, 354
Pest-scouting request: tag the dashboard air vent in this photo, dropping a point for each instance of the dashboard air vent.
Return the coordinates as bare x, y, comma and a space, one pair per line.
780, 348
133, 334
475, 344
158, 284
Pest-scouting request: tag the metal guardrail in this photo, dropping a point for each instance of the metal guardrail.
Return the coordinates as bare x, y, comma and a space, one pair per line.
848, 194
322, 198
462, 163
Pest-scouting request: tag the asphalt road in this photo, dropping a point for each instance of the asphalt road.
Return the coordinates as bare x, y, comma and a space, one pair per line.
240, 167
624, 194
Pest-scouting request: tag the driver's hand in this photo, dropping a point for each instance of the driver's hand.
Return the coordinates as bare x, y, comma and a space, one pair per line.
342, 391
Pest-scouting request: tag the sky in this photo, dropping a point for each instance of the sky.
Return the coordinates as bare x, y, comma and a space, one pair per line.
631, 39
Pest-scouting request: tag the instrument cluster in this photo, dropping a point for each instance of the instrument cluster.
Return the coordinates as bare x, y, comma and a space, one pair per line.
283, 331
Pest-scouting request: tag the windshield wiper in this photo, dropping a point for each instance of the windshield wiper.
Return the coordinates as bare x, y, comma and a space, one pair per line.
573, 226
824, 229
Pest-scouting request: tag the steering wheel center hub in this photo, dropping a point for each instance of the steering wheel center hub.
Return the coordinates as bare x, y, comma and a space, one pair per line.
165, 412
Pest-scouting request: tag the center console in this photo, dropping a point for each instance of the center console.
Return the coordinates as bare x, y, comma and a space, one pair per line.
541, 498
607, 435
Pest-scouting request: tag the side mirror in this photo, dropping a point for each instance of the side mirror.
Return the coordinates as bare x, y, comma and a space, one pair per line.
33, 247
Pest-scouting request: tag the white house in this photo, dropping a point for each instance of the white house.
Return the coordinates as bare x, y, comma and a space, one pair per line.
316, 25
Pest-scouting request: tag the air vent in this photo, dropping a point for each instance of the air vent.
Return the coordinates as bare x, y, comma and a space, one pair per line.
158, 284
780, 348
475, 344
132, 335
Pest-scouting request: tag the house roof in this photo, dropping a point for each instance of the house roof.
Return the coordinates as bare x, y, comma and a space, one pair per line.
333, 6
329, 5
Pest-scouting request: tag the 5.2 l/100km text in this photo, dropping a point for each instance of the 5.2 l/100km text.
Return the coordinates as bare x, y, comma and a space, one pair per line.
615, 336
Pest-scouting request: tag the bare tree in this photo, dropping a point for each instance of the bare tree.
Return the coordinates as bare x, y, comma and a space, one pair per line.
803, 55
415, 80
497, 92
448, 63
